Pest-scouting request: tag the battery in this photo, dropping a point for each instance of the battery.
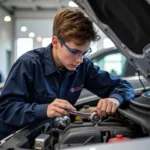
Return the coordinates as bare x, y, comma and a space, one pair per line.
42, 141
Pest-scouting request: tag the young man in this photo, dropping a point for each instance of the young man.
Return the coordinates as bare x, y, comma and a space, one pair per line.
46, 82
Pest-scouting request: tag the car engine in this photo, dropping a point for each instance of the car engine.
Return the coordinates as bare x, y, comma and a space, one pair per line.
130, 122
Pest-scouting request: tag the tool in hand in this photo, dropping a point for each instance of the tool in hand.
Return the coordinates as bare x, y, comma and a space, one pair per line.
93, 117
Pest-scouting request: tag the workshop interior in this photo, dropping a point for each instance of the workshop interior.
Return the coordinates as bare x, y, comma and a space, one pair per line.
123, 50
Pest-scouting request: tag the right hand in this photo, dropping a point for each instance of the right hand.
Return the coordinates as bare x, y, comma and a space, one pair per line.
59, 107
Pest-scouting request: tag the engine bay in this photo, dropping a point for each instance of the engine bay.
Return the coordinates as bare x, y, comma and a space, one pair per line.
130, 122
62, 133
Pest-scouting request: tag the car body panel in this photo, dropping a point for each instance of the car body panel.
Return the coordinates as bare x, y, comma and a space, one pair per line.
130, 145
127, 24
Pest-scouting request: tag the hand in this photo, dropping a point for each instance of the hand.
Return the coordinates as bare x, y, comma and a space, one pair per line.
107, 106
59, 107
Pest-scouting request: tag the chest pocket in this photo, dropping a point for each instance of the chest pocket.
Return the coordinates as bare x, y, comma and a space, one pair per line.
42, 98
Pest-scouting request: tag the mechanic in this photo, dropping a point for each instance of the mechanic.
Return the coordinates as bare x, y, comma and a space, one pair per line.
46, 82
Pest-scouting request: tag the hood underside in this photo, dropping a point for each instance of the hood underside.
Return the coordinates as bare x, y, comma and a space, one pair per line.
127, 24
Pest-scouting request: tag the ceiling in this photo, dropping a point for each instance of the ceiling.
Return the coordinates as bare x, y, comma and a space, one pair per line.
12, 6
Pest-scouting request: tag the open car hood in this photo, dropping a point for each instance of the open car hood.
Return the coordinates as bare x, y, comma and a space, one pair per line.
127, 24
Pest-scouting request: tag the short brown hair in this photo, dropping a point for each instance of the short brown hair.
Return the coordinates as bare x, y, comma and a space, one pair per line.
73, 24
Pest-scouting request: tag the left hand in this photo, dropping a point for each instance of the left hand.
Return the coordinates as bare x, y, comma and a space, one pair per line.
106, 106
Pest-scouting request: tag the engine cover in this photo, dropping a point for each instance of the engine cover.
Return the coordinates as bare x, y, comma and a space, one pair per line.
138, 111
86, 133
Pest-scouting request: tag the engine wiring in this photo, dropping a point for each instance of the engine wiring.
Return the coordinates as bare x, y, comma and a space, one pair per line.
88, 140
138, 71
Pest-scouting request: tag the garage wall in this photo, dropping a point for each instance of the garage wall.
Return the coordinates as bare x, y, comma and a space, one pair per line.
43, 28
5, 43
38, 22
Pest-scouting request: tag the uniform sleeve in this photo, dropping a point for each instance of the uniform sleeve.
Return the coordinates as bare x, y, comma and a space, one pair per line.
16, 106
106, 85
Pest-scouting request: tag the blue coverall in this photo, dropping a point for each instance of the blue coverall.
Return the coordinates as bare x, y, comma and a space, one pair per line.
34, 82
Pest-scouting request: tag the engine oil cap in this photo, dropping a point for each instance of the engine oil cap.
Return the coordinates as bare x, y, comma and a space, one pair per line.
118, 138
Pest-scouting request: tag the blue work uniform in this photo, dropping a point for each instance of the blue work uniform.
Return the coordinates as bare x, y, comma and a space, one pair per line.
34, 82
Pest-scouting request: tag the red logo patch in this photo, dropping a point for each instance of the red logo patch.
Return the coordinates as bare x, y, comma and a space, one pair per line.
76, 88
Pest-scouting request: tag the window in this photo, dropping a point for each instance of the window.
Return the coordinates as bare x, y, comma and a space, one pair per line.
46, 42
24, 45
115, 63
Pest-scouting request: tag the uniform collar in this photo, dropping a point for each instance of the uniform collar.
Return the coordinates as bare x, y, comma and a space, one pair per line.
50, 66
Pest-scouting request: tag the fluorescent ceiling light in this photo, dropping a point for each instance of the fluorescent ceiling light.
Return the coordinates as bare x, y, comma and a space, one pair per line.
72, 4
7, 18
39, 38
31, 35
23, 28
